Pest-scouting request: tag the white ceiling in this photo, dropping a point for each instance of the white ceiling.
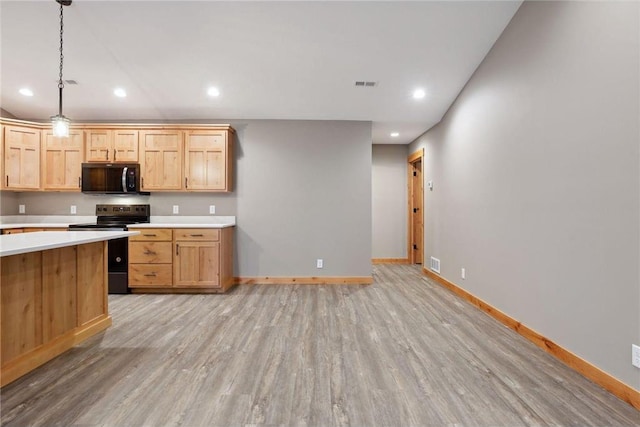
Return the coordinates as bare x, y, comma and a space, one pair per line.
271, 60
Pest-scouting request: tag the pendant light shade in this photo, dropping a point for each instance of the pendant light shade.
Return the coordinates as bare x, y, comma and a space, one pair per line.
59, 122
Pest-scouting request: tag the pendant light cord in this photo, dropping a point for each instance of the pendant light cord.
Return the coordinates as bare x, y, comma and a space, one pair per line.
60, 81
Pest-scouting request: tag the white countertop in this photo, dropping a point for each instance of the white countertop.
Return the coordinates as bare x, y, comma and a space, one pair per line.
43, 221
15, 244
188, 222
63, 221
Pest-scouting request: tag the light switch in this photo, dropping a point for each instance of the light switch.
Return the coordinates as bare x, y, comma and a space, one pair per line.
21, 209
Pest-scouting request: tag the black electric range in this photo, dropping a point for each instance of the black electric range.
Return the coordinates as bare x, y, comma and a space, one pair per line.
112, 218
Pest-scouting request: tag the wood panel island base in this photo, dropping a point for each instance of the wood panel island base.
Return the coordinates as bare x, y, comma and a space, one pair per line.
53, 295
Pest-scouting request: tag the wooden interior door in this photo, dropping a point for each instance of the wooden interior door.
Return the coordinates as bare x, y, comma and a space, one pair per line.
416, 214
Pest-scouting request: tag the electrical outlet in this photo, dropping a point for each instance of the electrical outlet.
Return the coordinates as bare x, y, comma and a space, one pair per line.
176, 209
212, 209
319, 263
74, 210
635, 355
21, 209
463, 273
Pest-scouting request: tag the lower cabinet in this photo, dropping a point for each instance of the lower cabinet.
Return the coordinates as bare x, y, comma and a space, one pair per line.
150, 261
181, 260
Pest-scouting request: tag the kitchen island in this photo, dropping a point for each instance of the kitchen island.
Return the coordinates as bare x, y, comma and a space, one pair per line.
53, 295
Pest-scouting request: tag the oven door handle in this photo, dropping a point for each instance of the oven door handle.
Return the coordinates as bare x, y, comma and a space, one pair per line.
124, 179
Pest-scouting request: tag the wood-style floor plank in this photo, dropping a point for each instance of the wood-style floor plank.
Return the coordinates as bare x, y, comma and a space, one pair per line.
403, 352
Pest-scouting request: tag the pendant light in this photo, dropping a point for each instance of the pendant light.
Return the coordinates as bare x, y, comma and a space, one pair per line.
59, 122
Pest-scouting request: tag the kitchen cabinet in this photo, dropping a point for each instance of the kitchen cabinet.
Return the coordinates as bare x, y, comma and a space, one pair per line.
51, 300
207, 160
62, 161
203, 258
13, 231
161, 160
197, 258
150, 259
182, 260
21, 158
112, 145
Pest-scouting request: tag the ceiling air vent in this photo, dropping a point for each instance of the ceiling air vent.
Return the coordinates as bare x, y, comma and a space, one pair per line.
365, 84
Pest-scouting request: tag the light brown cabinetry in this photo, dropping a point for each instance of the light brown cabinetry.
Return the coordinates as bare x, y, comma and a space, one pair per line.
181, 260
150, 259
112, 145
197, 258
50, 301
62, 161
207, 160
21, 158
171, 157
161, 160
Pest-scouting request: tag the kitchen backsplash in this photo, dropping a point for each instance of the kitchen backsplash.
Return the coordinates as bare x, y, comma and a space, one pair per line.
41, 203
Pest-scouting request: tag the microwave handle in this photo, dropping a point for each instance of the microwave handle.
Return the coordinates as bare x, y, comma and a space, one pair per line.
124, 179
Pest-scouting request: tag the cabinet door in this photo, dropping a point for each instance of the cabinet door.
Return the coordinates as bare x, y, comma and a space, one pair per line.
21, 158
125, 145
62, 161
99, 142
161, 160
197, 264
205, 165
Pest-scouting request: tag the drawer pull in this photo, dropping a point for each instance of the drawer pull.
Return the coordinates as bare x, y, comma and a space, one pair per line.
150, 275
149, 253
149, 235
177, 249
196, 235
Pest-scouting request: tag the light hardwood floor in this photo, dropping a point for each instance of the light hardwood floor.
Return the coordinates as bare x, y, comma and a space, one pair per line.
401, 352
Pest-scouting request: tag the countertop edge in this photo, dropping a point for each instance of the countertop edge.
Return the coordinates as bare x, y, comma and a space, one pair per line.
18, 244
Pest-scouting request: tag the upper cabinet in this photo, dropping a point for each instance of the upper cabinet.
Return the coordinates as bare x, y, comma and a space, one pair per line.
109, 145
62, 161
172, 157
161, 160
21, 158
207, 160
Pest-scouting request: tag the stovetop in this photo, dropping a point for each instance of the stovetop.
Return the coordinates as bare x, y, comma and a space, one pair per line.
117, 216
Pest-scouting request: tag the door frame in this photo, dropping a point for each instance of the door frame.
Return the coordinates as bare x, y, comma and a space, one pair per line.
413, 158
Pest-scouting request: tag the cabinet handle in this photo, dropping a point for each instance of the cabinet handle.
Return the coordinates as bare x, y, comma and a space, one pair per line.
150, 275
114, 154
149, 252
177, 249
149, 235
107, 154
142, 182
186, 182
7, 180
196, 235
79, 182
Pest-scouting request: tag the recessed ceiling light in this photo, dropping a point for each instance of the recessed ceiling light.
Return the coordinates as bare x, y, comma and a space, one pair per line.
213, 91
26, 91
419, 93
394, 134
119, 92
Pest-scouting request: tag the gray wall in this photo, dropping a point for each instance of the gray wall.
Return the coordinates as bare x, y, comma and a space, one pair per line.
536, 179
389, 201
8, 203
302, 192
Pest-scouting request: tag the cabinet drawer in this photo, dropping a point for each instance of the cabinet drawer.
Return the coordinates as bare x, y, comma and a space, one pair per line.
197, 234
149, 275
150, 253
151, 234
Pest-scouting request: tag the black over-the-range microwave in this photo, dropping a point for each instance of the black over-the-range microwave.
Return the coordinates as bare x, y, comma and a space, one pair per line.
111, 178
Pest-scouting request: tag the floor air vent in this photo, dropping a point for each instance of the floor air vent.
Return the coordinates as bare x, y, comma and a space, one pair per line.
435, 265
